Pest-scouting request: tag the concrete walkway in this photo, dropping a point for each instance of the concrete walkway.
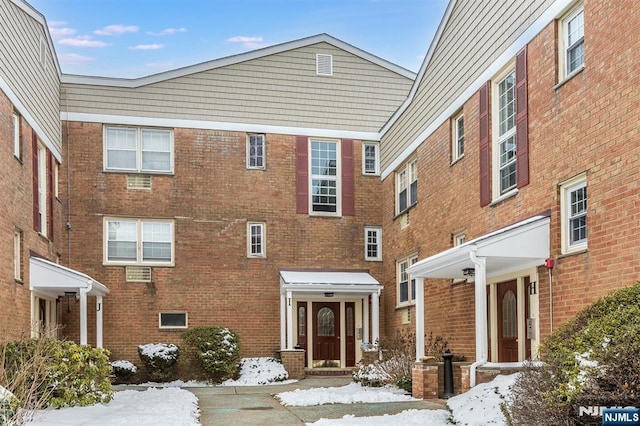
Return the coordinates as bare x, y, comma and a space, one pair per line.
256, 405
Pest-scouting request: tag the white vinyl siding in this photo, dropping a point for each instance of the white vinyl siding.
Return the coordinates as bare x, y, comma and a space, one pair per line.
139, 242
133, 149
406, 286
256, 240
373, 243
573, 211
370, 159
573, 41
504, 143
256, 152
325, 177
173, 320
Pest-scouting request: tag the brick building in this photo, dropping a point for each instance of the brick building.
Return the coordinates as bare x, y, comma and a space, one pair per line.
332, 200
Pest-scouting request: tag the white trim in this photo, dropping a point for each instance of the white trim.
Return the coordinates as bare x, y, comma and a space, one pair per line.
378, 232
139, 222
263, 240
324, 64
169, 327
411, 296
555, 10
455, 137
566, 187
496, 138
17, 145
235, 59
31, 120
139, 130
216, 125
563, 48
337, 179
264, 151
52, 279
376, 146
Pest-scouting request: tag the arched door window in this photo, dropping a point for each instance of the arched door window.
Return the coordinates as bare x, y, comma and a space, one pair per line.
509, 317
326, 322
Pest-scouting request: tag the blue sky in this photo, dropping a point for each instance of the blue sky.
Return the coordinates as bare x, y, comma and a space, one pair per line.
134, 38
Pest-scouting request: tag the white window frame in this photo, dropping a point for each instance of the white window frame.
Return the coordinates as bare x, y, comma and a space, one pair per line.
186, 320
262, 247
42, 189
503, 135
375, 171
457, 138
250, 156
459, 239
376, 233
324, 64
17, 255
17, 146
575, 16
337, 178
406, 177
566, 189
401, 277
56, 173
139, 223
139, 151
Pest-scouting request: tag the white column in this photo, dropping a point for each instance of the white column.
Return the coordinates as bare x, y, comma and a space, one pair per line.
289, 320
365, 319
419, 318
375, 317
283, 321
481, 308
83, 316
98, 321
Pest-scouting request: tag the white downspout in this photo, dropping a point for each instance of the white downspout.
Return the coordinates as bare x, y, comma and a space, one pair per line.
83, 311
481, 314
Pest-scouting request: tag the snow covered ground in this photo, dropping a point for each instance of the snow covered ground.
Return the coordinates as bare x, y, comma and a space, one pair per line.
349, 394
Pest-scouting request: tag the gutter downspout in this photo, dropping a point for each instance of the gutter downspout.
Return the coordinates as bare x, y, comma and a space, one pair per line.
481, 314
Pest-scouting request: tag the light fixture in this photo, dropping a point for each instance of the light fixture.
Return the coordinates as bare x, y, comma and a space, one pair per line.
68, 295
328, 295
469, 272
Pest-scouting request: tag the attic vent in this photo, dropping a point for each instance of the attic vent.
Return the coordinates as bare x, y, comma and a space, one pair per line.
138, 181
138, 274
324, 64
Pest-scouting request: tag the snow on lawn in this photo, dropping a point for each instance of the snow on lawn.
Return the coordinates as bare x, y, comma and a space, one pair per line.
170, 406
478, 407
349, 394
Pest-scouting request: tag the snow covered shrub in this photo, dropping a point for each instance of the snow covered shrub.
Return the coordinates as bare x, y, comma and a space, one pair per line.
9, 406
370, 375
160, 360
217, 349
124, 370
259, 371
593, 360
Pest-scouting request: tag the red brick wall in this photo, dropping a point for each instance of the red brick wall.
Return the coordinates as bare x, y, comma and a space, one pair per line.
211, 196
588, 124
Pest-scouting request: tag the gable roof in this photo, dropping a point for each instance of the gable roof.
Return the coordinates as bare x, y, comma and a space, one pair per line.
235, 59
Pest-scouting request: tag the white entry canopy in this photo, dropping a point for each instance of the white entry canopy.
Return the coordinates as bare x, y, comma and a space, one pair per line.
521, 245
331, 281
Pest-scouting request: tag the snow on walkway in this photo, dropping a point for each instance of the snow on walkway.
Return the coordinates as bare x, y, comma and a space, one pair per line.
349, 394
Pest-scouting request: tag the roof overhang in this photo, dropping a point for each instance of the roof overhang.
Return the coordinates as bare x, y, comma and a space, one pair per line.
55, 280
519, 246
320, 282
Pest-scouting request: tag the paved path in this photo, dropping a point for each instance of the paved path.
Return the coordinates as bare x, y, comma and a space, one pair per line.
256, 406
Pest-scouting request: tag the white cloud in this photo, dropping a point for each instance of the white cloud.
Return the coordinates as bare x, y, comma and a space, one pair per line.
248, 42
154, 46
73, 59
82, 41
116, 30
159, 64
168, 31
57, 23
60, 32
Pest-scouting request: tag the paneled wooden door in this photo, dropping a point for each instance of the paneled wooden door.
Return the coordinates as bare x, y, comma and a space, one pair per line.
507, 321
326, 331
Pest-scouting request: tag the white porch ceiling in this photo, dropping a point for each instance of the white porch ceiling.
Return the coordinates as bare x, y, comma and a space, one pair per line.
53, 279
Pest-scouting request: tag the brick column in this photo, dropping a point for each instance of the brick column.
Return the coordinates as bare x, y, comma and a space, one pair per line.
425, 380
293, 361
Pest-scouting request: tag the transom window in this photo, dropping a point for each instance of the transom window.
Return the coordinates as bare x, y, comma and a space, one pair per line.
138, 241
255, 151
256, 240
324, 176
574, 214
370, 163
458, 137
573, 28
407, 186
138, 150
506, 133
406, 288
372, 243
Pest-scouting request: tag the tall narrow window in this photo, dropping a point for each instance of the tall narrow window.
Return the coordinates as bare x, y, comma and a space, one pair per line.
406, 287
407, 186
370, 163
17, 255
372, 243
302, 321
42, 188
573, 197
17, 148
324, 176
255, 152
457, 138
573, 29
506, 133
256, 240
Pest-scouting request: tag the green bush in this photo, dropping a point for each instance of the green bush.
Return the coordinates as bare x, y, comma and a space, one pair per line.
123, 370
160, 360
217, 349
58, 373
593, 360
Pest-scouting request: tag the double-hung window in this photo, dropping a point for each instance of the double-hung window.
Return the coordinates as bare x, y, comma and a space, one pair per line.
139, 242
373, 243
325, 176
255, 151
573, 196
370, 163
131, 149
573, 42
457, 138
506, 130
256, 240
406, 287
407, 186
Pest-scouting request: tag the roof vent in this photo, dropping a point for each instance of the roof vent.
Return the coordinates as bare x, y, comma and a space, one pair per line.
324, 64
138, 181
138, 274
